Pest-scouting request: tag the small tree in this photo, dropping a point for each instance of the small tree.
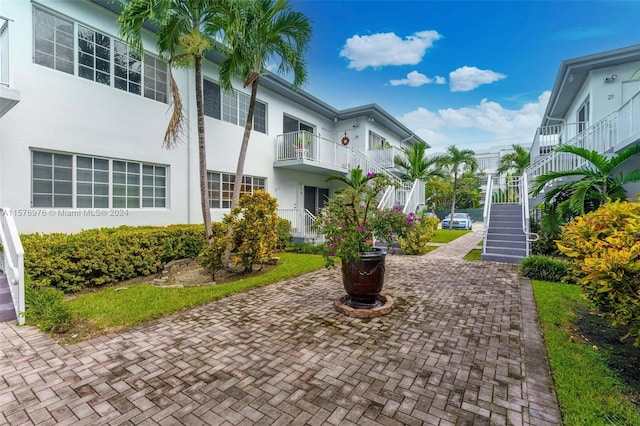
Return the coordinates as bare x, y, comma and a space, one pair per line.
458, 161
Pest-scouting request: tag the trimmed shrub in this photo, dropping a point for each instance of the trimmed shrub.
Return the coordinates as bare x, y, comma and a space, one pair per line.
254, 223
284, 234
94, 257
544, 268
604, 248
212, 256
306, 248
422, 231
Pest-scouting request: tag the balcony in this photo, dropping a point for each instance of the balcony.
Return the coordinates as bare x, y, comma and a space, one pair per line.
612, 134
306, 152
8, 96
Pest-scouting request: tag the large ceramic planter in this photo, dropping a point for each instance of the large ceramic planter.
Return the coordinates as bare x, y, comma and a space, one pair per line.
363, 279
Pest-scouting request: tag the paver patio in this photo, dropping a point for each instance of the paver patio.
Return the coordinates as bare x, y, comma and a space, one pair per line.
462, 346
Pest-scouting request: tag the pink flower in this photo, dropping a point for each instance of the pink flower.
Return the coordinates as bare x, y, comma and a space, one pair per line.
371, 175
361, 228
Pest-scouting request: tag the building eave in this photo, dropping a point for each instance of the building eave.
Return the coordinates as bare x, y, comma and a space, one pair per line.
574, 72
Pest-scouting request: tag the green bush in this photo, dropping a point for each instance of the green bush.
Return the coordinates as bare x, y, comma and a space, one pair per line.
306, 248
422, 231
284, 234
45, 308
604, 249
212, 256
544, 268
254, 224
94, 257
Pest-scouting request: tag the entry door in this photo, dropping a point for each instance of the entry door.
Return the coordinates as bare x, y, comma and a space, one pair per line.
314, 198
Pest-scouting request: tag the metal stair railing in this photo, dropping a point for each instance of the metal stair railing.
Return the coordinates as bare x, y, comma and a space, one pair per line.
486, 214
531, 236
13, 261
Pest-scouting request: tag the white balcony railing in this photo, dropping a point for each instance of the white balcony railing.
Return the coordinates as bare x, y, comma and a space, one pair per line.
13, 261
302, 223
385, 156
313, 148
606, 135
4, 51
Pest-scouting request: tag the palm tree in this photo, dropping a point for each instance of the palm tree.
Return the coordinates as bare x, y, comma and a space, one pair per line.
458, 161
416, 164
518, 161
596, 181
258, 31
185, 31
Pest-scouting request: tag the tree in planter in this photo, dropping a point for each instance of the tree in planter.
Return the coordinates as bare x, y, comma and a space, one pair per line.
458, 161
185, 31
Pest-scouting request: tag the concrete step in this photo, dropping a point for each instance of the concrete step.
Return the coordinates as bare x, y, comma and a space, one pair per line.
7, 311
501, 258
496, 232
506, 251
516, 244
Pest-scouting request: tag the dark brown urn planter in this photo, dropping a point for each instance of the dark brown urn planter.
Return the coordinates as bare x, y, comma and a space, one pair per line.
363, 279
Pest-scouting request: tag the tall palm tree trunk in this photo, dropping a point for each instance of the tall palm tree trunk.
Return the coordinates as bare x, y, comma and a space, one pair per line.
245, 144
202, 150
453, 203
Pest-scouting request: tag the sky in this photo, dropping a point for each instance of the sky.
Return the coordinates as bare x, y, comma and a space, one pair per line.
474, 74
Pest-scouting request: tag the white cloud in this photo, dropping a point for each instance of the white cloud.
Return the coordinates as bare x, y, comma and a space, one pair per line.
416, 79
488, 122
382, 49
468, 78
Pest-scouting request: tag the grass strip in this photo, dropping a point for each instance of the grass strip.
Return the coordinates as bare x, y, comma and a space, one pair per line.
588, 391
474, 255
448, 235
116, 308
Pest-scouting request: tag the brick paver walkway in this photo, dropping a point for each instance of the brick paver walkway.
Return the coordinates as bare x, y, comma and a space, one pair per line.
461, 346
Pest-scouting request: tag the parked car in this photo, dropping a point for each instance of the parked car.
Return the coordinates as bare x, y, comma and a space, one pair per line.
460, 221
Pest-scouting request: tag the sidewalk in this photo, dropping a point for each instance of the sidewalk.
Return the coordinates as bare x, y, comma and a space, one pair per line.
461, 347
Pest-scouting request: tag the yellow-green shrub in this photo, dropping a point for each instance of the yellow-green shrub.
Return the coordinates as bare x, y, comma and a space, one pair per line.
94, 257
254, 222
604, 248
212, 256
421, 233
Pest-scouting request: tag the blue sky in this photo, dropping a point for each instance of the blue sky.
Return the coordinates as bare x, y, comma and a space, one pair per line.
471, 74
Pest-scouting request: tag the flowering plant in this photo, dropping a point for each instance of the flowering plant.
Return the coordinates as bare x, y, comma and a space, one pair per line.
350, 220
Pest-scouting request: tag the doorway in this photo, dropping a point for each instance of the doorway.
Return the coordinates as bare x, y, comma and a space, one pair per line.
315, 198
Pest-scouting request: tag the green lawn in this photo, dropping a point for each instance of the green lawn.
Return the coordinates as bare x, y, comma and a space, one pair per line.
588, 391
117, 308
475, 254
448, 235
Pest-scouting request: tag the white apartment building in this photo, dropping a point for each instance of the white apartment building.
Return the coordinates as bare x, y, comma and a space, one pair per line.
82, 119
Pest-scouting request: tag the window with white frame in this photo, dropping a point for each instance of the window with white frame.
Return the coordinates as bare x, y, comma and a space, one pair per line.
53, 41
98, 182
127, 67
221, 187
95, 55
376, 141
233, 107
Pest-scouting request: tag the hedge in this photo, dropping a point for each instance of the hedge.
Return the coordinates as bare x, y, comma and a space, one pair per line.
95, 257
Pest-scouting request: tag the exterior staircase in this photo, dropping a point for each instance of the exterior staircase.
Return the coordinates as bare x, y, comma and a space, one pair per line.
505, 240
7, 310
506, 220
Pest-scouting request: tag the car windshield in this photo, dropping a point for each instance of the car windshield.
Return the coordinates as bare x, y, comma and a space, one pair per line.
458, 216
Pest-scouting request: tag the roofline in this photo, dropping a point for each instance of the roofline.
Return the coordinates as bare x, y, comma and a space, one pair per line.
585, 63
282, 87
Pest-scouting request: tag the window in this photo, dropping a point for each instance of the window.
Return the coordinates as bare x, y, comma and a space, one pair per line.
126, 184
229, 107
127, 66
94, 55
376, 141
233, 107
154, 186
99, 182
51, 180
290, 124
583, 116
221, 188
52, 41
97, 54
92, 182
155, 79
